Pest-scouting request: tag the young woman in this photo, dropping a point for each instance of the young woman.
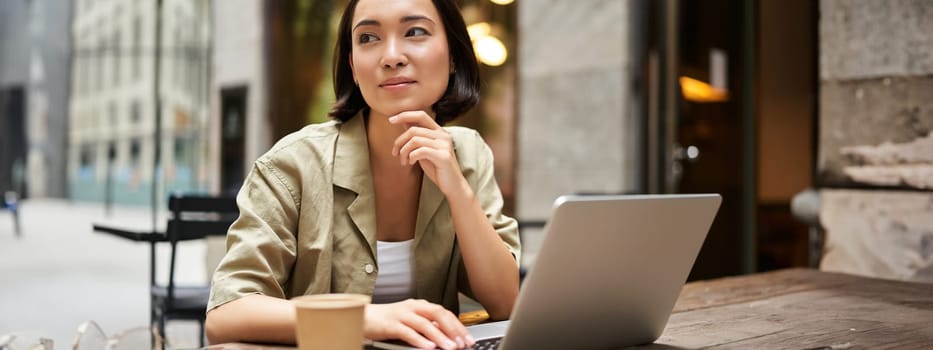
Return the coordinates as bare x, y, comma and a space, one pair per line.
382, 200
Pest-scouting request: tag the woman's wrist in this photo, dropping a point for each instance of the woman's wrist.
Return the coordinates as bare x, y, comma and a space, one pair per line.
461, 193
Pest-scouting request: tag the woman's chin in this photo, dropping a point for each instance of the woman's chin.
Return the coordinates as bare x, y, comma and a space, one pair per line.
393, 110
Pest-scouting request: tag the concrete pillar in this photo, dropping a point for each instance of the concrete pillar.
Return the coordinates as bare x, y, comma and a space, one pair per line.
574, 134
238, 61
573, 129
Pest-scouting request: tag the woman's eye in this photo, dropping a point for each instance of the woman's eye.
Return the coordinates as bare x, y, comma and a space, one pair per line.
365, 38
416, 32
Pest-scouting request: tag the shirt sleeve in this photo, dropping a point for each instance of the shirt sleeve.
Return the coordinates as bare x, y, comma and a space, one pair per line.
261, 244
490, 198
481, 176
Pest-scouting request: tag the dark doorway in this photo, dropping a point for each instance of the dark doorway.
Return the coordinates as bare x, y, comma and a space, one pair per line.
787, 86
232, 137
13, 141
747, 134
700, 145
713, 135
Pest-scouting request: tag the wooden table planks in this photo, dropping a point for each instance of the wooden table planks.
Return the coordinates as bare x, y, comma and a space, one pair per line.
790, 309
801, 309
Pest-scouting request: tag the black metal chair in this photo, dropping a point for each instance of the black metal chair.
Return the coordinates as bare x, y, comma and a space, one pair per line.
193, 217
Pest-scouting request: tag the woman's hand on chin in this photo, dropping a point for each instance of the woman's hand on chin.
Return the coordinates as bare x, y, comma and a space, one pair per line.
417, 322
428, 144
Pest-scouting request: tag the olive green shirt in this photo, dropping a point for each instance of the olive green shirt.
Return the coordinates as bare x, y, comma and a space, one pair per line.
307, 221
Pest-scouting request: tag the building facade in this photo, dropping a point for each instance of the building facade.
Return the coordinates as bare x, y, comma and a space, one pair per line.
238, 84
14, 61
112, 115
34, 73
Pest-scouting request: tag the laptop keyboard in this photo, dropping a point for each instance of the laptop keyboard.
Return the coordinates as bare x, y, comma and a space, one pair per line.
487, 344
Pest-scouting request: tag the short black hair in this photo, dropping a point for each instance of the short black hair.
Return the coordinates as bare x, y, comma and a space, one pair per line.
462, 89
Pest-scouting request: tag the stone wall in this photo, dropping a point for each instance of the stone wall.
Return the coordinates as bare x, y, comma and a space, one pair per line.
884, 234
876, 119
876, 78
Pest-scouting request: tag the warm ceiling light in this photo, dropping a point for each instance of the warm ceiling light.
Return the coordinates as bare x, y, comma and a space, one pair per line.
478, 30
501, 2
490, 51
698, 91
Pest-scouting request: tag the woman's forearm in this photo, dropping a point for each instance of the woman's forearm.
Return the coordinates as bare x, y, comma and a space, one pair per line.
253, 318
491, 268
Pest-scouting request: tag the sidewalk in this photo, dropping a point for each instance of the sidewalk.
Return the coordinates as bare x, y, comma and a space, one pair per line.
60, 273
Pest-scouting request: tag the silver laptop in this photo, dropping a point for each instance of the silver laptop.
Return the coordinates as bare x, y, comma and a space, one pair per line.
608, 273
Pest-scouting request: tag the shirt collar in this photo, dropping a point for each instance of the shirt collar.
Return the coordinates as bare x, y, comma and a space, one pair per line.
351, 157
352, 172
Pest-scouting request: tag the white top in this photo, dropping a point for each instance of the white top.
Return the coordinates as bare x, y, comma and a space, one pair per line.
396, 264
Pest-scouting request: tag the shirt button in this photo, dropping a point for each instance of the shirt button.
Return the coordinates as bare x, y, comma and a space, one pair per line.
369, 268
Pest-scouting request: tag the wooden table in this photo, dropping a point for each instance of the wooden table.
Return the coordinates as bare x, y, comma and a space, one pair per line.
802, 309
791, 309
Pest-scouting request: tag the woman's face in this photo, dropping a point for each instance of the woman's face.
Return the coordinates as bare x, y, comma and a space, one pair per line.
399, 57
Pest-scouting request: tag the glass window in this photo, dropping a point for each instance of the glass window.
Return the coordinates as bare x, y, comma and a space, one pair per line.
114, 115
101, 55
178, 58
134, 152
79, 71
135, 112
117, 52
87, 155
88, 61
136, 45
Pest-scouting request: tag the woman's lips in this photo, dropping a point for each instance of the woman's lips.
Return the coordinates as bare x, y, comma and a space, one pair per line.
396, 83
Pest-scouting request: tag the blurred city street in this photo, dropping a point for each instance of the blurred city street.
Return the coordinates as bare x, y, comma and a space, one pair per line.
60, 273
811, 119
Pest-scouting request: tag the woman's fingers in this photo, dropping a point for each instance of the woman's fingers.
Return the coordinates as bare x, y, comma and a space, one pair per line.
429, 330
414, 118
419, 143
414, 338
429, 154
426, 143
417, 322
417, 131
446, 322
418, 125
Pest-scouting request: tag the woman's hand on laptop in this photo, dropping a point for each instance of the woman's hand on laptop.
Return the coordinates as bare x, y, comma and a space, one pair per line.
417, 322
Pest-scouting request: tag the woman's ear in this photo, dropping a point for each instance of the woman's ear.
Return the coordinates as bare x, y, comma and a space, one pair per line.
352, 71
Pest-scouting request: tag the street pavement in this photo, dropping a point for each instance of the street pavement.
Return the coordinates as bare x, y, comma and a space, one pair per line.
59, 273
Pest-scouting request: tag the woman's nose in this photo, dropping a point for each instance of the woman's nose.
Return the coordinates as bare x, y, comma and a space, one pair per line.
394, 55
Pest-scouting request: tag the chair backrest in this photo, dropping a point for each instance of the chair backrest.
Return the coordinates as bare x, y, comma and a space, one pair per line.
196, 217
